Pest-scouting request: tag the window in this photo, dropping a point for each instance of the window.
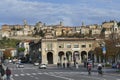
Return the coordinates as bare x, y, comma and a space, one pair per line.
83, 46
90, 45
76, 46
68, 46
61, 46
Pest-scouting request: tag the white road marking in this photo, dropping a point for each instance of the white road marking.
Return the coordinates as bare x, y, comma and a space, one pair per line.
36, 78
16, 75
27, 74
39, 73
62, 77
22, 74
21, 68
33, 73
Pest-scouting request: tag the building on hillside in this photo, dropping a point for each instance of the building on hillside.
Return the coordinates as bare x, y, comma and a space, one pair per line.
109, 28
84, 30
95, 30
24, 44
0, 34
17, 30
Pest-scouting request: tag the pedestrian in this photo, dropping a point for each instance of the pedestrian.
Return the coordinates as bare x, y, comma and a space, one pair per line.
77, 65
58, 64
2, 73
68, 64
89, 67
99, 69
63, 65
8, 73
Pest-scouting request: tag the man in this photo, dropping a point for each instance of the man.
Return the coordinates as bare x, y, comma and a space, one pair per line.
100, 69
2, 71
8, 73
89, 66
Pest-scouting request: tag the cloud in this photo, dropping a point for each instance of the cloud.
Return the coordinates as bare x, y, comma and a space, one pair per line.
13, 12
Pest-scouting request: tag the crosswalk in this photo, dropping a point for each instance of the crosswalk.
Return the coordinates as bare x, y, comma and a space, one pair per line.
23, 68
52, 73
63, 75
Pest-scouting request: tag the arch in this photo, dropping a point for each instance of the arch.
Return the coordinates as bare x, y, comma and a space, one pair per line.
75, 57
69, 56
91, 55
50, 57
83, 56
60, 55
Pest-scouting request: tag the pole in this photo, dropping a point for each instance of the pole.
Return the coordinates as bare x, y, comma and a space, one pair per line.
104, 53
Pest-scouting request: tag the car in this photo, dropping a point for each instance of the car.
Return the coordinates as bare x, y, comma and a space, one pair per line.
42, 66
20, 65
36, 63
10, 61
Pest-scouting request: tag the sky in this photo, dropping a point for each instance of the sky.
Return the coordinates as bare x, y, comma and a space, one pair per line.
70, 12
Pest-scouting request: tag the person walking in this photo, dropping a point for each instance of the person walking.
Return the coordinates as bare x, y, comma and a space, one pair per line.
100, 69
8, 73
2, 71
89, 66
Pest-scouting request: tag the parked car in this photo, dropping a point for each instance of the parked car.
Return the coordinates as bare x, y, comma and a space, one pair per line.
20, 65
42, 66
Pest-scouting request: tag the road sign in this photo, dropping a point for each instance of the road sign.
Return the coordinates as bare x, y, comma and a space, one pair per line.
104, 50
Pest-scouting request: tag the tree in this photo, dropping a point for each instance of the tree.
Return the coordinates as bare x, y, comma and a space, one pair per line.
111, 51
7, 54
21, 49
118, 23
8, 43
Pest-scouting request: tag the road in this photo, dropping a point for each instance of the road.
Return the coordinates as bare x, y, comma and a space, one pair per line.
31, 72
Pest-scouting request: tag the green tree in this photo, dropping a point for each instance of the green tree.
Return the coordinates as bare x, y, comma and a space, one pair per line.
21, 50
8, 43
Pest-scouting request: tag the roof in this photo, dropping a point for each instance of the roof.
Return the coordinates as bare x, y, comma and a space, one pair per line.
74, 39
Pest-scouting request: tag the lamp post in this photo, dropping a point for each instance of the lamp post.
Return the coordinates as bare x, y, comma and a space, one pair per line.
104, 52
118, 45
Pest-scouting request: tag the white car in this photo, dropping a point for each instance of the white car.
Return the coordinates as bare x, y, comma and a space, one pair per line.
10, 61
42, 66
20, 65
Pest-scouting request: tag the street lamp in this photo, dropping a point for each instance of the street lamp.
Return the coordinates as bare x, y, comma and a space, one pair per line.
103, 51
118, 45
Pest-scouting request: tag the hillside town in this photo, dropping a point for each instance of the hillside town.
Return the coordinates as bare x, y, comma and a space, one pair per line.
52, 44
60, 45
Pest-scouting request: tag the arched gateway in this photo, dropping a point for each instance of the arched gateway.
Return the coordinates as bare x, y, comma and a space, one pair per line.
50, 57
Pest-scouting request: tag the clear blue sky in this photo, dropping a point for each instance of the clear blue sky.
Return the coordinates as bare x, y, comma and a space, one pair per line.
71, 12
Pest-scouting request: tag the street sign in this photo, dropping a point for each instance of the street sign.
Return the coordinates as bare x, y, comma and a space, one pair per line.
104, 50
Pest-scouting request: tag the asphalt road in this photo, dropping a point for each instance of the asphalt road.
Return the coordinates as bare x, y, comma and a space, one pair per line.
31, 72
